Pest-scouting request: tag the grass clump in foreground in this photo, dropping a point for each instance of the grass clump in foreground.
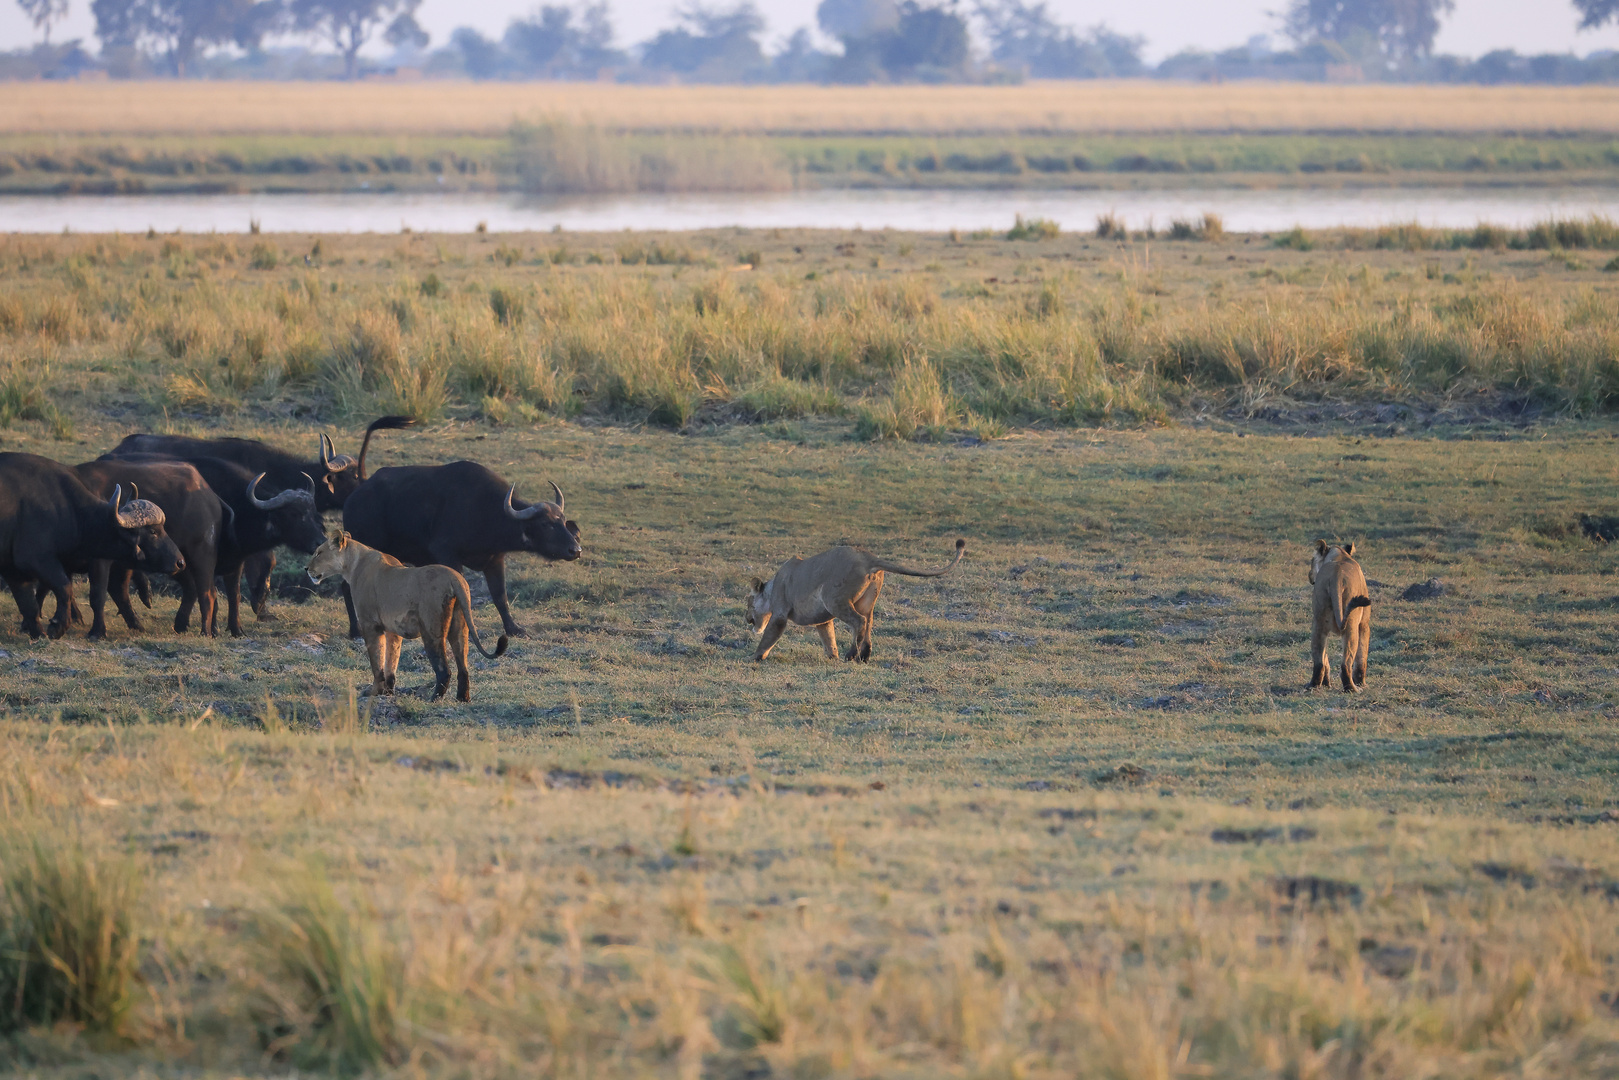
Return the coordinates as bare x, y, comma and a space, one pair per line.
68, 945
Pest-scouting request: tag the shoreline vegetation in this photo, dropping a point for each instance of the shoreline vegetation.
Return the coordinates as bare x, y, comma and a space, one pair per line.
551, 158
566, 138
894, 335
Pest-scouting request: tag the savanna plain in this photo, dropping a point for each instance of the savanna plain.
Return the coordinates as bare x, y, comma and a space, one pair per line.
1078, 816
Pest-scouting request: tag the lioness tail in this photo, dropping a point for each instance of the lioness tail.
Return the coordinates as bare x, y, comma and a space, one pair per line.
1342, 614
463, 599
895, 568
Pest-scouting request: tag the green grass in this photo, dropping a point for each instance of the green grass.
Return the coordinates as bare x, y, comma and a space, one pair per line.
1079, 816
558, 158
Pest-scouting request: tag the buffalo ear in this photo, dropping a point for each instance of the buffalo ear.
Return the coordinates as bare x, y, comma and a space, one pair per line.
1349, 549
758, 586
1320, 547
571, 526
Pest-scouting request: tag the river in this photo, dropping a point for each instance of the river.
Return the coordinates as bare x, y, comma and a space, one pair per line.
1243, 210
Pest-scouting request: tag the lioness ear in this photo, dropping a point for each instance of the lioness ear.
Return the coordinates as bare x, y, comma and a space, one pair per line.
758, 586
1320, 547
1349, 549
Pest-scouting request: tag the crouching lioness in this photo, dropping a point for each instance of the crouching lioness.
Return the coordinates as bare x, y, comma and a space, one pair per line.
1343, 608
393, 601
842, 583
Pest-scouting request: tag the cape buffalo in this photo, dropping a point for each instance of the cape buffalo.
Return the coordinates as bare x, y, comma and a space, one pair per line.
459, 515
49, 521
261, 521
197, 520
339, 475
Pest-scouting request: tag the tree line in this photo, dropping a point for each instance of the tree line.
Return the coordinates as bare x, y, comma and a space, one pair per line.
860, 41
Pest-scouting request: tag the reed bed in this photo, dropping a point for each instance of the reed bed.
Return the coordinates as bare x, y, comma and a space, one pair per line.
1135, 106
672, 333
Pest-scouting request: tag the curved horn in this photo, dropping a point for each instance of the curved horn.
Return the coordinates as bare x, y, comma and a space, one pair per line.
117, 492
558, 490
310, 481
275, 500
326, 452
520, 515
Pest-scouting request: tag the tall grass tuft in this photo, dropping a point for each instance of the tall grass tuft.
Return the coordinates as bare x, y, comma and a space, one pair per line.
69, 950
1033, 229
561, 158
916, 404
333, 995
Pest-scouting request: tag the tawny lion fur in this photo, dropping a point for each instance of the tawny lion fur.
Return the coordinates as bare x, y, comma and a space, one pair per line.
842, 583
1343, 608
393, 601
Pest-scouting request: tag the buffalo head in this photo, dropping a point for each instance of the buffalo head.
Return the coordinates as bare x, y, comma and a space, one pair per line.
546, 530
292, 517
340, 473
140, 524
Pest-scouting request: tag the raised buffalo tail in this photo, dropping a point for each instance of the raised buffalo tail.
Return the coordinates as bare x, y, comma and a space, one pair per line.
382, 423
895, 568
464, 600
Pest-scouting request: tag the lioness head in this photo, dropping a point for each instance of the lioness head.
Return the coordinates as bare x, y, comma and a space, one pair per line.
328, 558
758, 607
1324, 554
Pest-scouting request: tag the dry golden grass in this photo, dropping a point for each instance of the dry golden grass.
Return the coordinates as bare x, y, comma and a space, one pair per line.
443, 108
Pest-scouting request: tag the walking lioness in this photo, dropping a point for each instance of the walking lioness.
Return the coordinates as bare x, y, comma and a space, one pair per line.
394, 601
1342, 608
842, 583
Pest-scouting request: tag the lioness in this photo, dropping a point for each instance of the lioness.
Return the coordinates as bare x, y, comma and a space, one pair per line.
394, 601
842, 583
1342, 608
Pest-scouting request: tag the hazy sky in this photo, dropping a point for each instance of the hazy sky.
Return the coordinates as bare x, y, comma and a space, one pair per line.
1476, 27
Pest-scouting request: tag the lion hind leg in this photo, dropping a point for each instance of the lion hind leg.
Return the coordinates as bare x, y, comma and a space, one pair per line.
457, 647
1365, 646
1351, 651
1318, 656
392, 645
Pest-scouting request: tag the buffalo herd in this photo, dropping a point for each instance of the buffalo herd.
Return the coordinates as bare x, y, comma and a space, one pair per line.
201, 510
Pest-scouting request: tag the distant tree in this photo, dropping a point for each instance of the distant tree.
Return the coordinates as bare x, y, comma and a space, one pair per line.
799, 60
480, 57
349, 24
42, 13
406, 33
718, 44
927, 41
179, 30
1593, 13
561, 41
1402, 31
1026, 36
850, 19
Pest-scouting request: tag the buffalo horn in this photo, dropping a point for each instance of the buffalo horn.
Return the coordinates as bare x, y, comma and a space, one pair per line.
117, 493
327, 452
558, 490
520, 515
275, 500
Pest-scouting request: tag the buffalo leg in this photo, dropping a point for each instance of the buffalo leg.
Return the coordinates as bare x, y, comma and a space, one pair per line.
100, 570
354, 621
75, 616
27, 605
117, 585
258, 569
197, 583
233, 599
495, 575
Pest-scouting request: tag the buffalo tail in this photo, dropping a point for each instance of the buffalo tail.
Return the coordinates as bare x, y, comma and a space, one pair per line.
464, 600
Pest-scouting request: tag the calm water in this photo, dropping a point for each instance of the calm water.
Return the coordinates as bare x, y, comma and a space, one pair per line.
1243, 210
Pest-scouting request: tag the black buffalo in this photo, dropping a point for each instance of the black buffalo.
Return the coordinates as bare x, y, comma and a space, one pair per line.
197, 520
460, 515
49, 521
339, 475
263, 520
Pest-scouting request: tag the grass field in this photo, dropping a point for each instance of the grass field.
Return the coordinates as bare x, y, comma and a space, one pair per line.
1089, 107
197, 137
1077, 817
